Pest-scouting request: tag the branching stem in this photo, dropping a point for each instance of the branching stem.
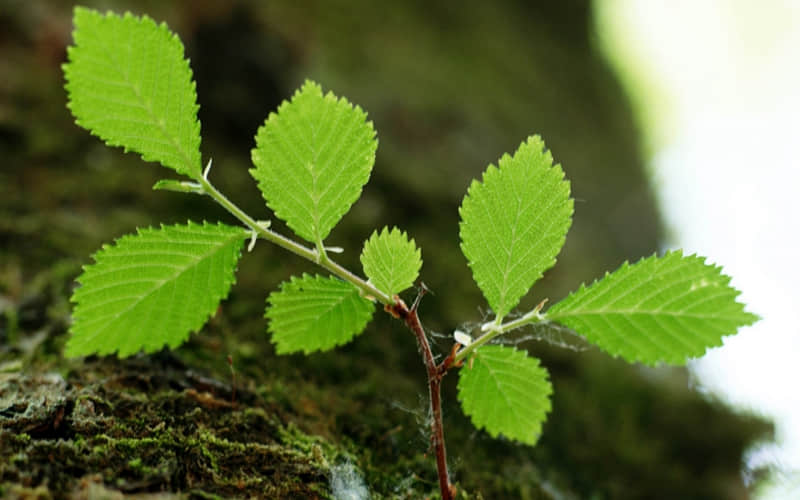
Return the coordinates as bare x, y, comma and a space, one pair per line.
435, 374
493, 330
393, 305
296, 248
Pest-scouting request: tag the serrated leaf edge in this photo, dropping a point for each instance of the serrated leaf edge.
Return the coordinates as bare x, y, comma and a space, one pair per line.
317, 237
548, 391
537, 145
295, 281
189, 168
382, 238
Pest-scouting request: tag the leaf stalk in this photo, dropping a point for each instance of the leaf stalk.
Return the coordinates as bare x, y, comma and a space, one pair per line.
493, 330
313, 255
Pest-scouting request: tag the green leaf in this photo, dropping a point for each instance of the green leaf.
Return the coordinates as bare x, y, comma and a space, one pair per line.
153, 288
668, 309
505, 391
316, 313
391, 261
129, 84
513, 224
312, 158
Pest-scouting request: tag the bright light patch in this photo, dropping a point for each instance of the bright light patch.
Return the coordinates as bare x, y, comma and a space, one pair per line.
716, 84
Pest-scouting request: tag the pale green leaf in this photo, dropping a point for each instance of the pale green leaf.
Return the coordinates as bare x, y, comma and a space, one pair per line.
514, 222
129, 84
667, 309
506, 392
391, 261
316, 313
312, 159
153, 288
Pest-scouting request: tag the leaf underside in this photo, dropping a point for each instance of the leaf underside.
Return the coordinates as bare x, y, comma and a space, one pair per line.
129, 84
514, 222
312, 159
660, 309
153, 288
506, 392
391, 261
316, 313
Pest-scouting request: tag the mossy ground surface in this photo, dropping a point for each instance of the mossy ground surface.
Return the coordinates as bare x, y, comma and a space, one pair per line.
143, 426
449, 91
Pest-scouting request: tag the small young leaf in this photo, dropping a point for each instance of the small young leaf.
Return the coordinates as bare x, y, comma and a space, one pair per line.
129, 84
391, 261
316, 313
153, 288
668, 309
506, 392
312, 158
513, 224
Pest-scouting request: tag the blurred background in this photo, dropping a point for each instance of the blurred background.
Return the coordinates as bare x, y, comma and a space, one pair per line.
716, 87
673, 121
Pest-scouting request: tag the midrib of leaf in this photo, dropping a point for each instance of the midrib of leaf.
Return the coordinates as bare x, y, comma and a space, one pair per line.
540, 240
315, 194
636, 312
500, 389
494, 230
143, 104
510, 251
335, 132
316, 170
629, 314
511, 265
311, 192
388, 264
287, 147
586, 309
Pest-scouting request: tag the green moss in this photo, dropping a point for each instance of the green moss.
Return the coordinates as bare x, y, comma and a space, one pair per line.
225, 449
22, 438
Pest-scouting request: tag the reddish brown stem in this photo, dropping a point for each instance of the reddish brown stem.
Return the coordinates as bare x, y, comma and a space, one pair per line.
435, 374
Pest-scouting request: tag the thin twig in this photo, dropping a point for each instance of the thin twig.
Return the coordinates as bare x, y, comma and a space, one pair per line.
435, 375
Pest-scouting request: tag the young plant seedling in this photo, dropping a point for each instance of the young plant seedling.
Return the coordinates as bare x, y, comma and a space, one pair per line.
129, 84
